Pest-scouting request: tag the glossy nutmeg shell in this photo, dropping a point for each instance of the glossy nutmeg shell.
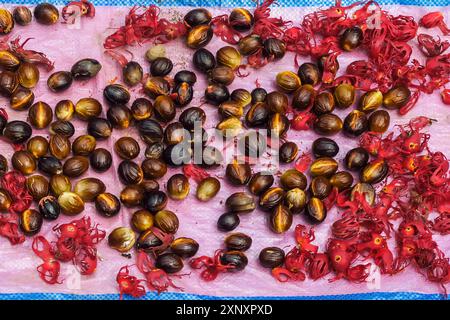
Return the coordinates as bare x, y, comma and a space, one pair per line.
46, 13
107, 204
238, 241
240, 202
59, 81
271, 257
184, 247
30, 222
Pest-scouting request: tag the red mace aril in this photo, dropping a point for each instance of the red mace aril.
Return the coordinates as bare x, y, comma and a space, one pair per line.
265, 25
431, 47
76, 242
302, 120
157, 279
49, 271
303, 162
304, 239
10, 229
435, 19
319, 266
195, 172
86, 260
14, 183
346, 227
128, 284
284, 275
144, 24
76, 9
212, 266
30, 56
223, 29
445, 95
442, 224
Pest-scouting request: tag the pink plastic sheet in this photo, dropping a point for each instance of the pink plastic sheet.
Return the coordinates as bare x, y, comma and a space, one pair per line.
197, 220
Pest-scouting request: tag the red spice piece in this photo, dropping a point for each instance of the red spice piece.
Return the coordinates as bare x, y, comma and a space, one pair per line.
303, 162
144, 24
304, 239
266, 26
435, 19
302, 120
14, 183
129, 284
431, 47
10, 230
346, 228
284, 275
319, 266
30, 55
445, 95
84, 8
195, 172
223, 29
157, 279
212, 265
49, 271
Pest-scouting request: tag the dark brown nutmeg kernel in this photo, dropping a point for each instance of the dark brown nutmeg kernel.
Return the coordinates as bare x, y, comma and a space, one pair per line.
260, 182
328, 124
40, 115
271, 198
142, 220
178, 187
341, 180
238, 173
293, 178
127, 148
379, 121
240, 202
107, 204
238, 241
280, 219
184, 247
271, 257
100, 160
356, 159
30, 222
320, 187
46, 13
316, 210
374, 171
323, 167
169, 262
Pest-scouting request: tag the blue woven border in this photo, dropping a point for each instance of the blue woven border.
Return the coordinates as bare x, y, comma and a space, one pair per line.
189, 296
232, 3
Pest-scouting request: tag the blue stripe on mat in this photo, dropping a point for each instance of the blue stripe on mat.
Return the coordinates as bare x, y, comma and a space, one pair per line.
232, 3
189, 296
